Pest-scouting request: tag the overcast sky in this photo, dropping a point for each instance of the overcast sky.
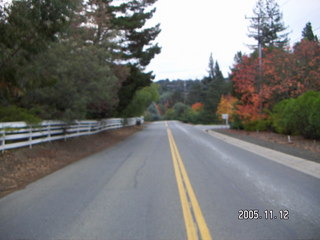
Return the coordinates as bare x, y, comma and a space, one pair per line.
192, 29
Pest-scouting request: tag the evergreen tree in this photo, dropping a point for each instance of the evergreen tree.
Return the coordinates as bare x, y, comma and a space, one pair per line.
137, 46
69, 59
196, 93
267, 26
119, 28
27, 27
213, 89
211, 67
308, 34
130, 18
218, 76
98, 16
70, 83
238, 59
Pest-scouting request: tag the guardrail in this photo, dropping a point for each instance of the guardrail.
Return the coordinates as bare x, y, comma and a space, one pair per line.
20, 134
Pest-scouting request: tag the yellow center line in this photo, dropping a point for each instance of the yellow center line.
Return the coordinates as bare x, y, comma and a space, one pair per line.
193, 217
189, 223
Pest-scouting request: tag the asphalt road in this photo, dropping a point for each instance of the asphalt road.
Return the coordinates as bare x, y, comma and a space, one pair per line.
169, 181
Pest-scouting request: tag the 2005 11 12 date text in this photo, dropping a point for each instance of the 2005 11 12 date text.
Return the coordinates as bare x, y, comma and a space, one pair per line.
255, 214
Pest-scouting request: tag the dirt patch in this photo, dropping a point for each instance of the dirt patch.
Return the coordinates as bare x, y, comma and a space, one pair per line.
20, 167
299, 146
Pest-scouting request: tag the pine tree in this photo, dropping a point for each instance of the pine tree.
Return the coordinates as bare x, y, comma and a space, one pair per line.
27, 27
105, 42
130, 17
211, 67
137, 46
213, 89
308, 34
267, 26
120, 29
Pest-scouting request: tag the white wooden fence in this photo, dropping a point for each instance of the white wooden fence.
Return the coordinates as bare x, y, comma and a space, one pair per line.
20, 134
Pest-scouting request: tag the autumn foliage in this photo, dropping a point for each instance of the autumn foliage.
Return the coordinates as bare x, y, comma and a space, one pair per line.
198, 106
284, 74
226, 106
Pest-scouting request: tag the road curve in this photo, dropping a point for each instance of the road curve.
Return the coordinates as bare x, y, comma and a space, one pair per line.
169, 181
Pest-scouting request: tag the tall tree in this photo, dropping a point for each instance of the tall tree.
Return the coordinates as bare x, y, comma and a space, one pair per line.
130, 18
267, 26
238, 57
27, 27
307, 62
119, 28
307, 33
211, 67
71, 83
68, 59
138, 48
197, 93
213, 89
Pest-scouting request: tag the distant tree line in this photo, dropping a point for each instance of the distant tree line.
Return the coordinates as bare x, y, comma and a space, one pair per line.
275, 87
74, 59
194, 101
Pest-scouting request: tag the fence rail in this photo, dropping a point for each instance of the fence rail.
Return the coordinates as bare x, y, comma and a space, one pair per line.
20, 134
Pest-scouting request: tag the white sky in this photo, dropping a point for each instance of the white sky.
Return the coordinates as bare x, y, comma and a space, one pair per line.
192, 29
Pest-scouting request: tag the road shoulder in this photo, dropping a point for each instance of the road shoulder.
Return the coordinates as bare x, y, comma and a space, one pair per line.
299, 147
20, 167
297, 163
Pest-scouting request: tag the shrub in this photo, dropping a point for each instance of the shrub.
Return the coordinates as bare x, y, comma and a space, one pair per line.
170, 114
236, 122
13, 113
283, 117
313, 130
298, 116
258, 125
308, 117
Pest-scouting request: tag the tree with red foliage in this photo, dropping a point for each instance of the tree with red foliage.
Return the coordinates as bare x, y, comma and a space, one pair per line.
307, 57
197, 107
284, 75
279, 80
245, 79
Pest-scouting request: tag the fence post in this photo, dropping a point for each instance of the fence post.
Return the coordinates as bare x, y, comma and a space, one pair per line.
49, 132
30, 137
78, 128
64, 127
3, 139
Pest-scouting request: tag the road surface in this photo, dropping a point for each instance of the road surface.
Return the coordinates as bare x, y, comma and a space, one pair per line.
169, 181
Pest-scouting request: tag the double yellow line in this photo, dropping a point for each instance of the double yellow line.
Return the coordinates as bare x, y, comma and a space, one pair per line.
195, 223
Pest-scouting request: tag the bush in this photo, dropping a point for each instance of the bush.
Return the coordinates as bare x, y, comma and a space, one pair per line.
308, 117
236, 122
283, 117
189, 116
313, 130
259, 125
13, 114
170, 114
299, 116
